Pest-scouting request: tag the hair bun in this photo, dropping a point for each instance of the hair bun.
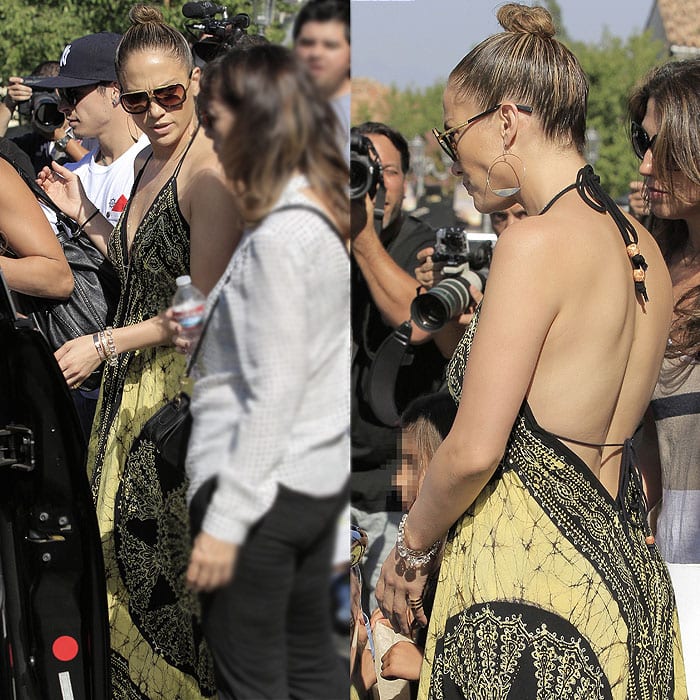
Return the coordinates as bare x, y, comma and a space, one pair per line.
145, 14
522, 19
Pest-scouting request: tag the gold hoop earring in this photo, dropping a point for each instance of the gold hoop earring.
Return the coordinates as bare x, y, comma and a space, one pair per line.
505, 191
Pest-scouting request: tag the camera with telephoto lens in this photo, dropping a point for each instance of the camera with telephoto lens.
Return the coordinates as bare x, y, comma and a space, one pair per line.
466, 263
42, 107
365, 167
213, 36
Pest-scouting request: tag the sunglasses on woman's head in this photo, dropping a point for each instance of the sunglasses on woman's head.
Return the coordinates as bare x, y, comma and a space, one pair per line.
167, 96
641, 142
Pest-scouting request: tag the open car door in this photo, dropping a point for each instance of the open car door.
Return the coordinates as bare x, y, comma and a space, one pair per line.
54, 630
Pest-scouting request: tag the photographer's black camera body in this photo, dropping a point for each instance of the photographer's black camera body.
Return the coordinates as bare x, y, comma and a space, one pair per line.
466, 263
213, 36
365, 167
42, 108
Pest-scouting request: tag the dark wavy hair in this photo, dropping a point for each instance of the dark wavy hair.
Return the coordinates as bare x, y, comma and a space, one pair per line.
675, 89
526, 64
282, 125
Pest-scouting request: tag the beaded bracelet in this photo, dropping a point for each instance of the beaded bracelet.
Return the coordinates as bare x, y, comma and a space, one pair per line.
98, 346
112, 355
414, 558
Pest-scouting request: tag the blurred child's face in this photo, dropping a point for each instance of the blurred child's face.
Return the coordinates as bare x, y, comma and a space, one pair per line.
406, 478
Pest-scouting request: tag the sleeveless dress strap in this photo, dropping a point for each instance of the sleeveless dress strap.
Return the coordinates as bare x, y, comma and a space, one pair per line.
182, 157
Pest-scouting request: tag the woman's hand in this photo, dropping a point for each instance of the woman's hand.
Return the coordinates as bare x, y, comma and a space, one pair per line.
66, 191
399, 593
212, 563
174, 330
78, 359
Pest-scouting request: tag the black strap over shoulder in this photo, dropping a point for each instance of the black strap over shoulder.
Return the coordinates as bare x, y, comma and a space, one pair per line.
392, 354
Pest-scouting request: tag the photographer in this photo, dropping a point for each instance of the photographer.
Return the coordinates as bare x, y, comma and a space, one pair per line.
385, 244
50, 137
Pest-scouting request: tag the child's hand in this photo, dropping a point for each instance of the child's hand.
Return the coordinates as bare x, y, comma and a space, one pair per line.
402, 660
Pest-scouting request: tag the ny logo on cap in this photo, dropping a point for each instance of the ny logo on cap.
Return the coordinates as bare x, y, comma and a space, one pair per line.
64, 56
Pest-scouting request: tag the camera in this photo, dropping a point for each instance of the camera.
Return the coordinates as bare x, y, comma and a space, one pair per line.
365, 167
466, 263
213, 37
42, 107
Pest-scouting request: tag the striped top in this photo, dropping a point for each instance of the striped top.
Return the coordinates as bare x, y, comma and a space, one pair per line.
676, 409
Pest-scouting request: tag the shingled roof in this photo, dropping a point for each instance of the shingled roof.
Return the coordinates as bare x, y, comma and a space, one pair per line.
677, 24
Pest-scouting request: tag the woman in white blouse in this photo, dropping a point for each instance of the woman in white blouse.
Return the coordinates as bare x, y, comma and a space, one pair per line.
270, 406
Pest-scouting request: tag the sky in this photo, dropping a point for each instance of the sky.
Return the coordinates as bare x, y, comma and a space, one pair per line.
416, 43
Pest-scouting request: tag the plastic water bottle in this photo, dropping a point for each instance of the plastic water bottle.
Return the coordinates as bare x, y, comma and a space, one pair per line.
188, 308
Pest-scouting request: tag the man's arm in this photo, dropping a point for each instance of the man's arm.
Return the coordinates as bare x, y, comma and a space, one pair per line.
16, 92
392, 288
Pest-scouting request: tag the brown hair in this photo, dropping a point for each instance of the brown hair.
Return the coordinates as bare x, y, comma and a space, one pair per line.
675, 88
429, 418
527, 65
149, 32
282, 124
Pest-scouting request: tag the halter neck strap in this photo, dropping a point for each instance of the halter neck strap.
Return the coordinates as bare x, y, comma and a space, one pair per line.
588, 187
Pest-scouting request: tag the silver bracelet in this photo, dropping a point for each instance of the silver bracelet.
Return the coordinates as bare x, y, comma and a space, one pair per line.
414, 558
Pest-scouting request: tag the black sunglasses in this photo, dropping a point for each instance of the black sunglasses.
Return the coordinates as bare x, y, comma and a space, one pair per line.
446, 138
641, 143
167, 96
73, 95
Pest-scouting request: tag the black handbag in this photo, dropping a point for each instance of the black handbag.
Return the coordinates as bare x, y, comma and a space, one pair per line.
169, 430
91, 306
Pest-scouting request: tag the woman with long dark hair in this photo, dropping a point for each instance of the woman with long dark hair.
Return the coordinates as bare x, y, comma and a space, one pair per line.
665, 136
550, 584
270, 407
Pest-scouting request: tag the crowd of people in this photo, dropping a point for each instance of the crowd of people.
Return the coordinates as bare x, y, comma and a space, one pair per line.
525, 476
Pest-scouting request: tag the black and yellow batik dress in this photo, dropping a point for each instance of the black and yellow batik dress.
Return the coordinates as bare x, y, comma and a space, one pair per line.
547, 588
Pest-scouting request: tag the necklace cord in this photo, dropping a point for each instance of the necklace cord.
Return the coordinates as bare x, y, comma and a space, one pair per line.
588, 186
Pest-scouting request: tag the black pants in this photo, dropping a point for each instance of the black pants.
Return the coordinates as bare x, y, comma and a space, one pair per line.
270, 629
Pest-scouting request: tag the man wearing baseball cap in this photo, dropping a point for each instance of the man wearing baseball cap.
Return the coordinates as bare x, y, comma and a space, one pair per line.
89, 97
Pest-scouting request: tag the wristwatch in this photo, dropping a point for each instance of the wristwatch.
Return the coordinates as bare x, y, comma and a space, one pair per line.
61, 144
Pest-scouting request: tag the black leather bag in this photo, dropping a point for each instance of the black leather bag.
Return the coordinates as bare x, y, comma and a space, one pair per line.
91, 306
169, 430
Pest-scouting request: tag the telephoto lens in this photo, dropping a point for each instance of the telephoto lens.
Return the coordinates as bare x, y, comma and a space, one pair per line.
448, 298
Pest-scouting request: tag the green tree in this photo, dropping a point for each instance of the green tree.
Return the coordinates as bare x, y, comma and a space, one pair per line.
415, 111
32, 31
614, 67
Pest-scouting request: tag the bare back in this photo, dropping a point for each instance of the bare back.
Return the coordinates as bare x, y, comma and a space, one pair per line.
601, 356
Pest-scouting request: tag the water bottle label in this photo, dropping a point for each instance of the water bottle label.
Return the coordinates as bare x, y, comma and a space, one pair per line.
189, 317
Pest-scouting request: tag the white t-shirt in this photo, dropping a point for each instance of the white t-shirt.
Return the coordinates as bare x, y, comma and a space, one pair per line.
108, 186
